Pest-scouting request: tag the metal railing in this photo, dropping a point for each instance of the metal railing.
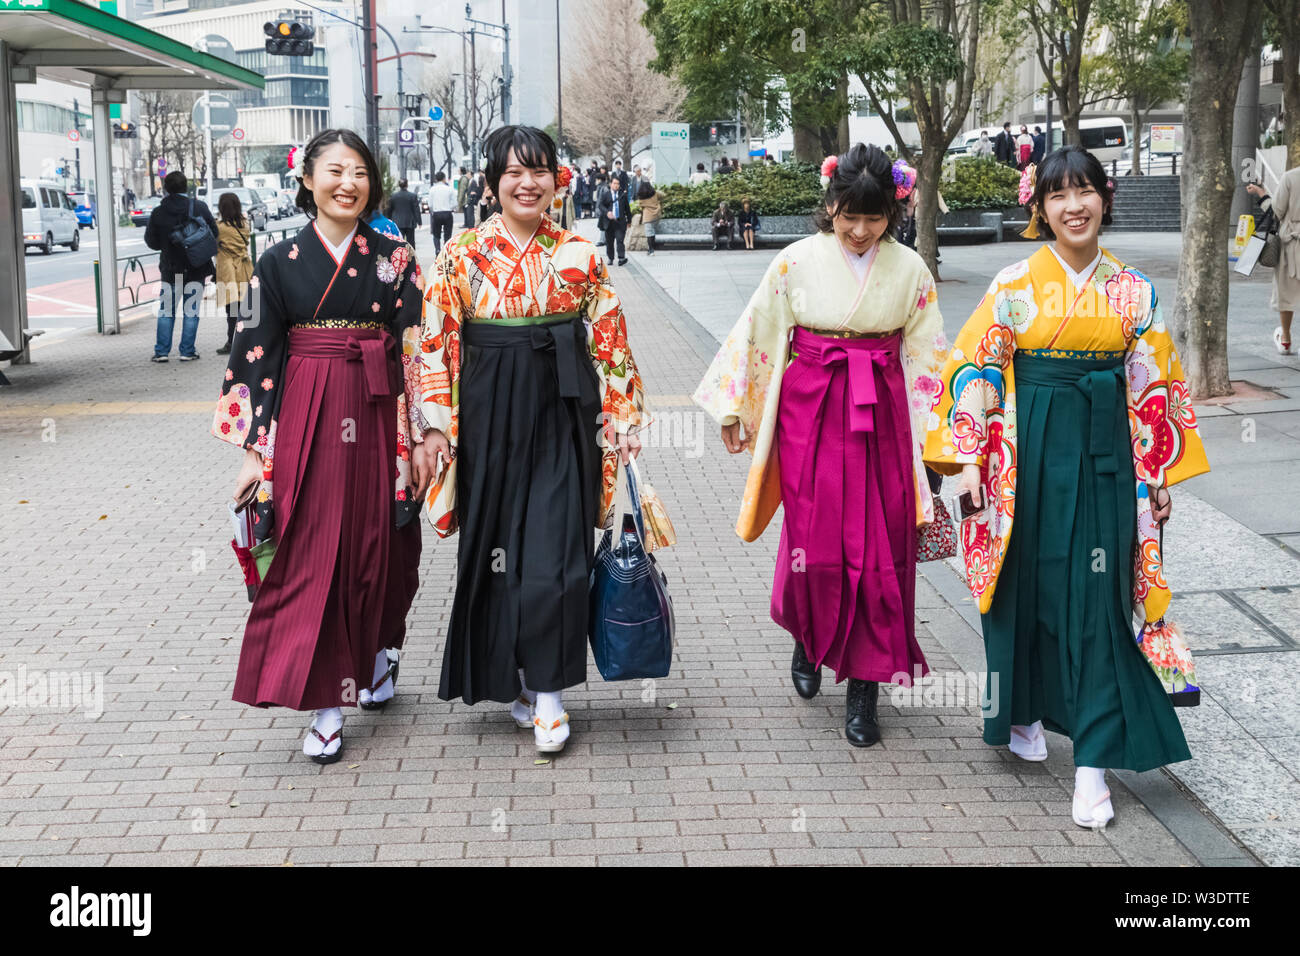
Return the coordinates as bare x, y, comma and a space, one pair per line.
134, 279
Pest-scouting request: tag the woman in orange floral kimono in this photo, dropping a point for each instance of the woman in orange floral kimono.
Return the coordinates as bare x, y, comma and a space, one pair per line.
528, 385
1065, 411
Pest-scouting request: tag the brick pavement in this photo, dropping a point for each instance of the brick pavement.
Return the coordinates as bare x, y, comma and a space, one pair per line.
116, 565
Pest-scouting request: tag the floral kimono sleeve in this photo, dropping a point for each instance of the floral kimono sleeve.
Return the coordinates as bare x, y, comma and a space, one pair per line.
736, 384
406, 321
924, 348
623, 403
966, 419
1167, 447
250, 393
439, 364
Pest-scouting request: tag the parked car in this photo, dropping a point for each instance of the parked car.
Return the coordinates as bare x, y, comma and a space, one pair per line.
144, 205
271, 198
254, 208
49, 216
81, 204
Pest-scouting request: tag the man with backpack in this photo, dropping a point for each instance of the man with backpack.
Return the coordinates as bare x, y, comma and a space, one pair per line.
184, 262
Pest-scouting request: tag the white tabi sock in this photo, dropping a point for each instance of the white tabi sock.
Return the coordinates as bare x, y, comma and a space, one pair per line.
549, 707
327, 722
386, 690
529, 695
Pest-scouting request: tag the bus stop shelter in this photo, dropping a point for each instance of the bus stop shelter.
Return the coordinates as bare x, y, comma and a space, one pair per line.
72, 42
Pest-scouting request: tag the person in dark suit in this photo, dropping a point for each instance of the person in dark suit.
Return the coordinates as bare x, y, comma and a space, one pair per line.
476, 186
1004, 147
181, 285
404, 210
614, 210
1040, 146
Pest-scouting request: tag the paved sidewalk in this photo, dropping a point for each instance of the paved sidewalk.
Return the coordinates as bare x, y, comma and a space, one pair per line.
1233, 550
121, 572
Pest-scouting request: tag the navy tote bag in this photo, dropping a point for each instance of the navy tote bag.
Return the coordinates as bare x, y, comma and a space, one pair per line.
631, 623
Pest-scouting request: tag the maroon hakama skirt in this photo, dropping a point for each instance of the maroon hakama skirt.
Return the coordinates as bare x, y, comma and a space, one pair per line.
845, 582
340, 575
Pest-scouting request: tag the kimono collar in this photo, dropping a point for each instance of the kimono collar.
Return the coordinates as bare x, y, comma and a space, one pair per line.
1077, 279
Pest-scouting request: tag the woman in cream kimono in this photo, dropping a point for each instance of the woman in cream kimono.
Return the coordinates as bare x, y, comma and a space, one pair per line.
831, 371
1065, 411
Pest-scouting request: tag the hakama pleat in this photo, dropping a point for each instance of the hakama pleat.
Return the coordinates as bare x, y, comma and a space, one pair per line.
845, 583
1059, 635
528, 493
319, 617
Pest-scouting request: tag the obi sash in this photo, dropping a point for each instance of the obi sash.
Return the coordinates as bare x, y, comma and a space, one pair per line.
564, 334
860, 356
1101, 381
375, 349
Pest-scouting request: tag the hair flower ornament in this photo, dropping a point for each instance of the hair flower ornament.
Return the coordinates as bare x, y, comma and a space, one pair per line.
295, 159
829, 165
904, 179
563, 177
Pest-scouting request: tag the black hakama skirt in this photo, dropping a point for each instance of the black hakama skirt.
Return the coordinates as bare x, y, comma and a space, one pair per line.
528, 493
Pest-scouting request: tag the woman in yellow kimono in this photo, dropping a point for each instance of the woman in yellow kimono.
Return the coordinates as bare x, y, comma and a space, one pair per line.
831, 370
1065, 411
528, 385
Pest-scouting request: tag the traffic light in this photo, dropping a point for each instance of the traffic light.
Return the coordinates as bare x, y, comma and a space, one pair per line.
124, 130
289, 38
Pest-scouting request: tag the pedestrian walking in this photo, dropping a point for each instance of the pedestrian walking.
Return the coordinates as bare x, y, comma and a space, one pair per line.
615, 213
1004, 147
441, 202
1064, 409
835, 435
234, 263
700, 175
1040, 146
722, 224
474, 197
747, 222
1284, 212
404, 210
180, 283
651, 201
983, 147
533, 305
317, 376
1024, 148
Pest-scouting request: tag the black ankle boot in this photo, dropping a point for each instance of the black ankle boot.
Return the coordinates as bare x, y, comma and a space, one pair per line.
807, 678
860, 725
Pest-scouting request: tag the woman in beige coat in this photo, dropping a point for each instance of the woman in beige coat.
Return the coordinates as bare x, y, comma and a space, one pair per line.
651, 200
1285, 207
234, 264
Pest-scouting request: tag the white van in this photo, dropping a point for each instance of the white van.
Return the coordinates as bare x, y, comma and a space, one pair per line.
49, 216
1106, 137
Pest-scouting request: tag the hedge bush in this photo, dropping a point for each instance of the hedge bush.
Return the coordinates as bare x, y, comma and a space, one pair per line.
780, 189
980, 183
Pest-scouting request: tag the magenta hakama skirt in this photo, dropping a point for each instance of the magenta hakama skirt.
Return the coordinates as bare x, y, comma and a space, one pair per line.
340, 579
846, 567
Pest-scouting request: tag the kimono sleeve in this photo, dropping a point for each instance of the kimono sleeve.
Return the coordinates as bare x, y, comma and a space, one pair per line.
407, 308
972, 387
735, 386
924, 349
623, 403
1167, 446
439, 358
250, 392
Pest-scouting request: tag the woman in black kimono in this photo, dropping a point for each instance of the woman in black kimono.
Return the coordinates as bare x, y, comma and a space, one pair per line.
316, 383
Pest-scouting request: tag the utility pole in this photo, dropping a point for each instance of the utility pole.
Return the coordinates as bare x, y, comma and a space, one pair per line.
505, 67
76, 124
368, 76
473, 116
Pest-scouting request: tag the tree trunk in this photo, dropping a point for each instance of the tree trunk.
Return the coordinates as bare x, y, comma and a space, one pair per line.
1137, 139
928, 176
1223, 32
1291, 96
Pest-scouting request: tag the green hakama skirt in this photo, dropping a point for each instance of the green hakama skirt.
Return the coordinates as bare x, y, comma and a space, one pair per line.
1059, 636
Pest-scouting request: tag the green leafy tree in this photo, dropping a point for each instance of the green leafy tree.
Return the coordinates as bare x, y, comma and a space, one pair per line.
1143, 61
1060, 30
778, 59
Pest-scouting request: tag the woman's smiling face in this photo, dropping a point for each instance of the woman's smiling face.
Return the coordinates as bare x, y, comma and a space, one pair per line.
339, 182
